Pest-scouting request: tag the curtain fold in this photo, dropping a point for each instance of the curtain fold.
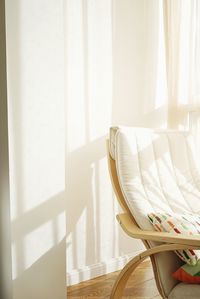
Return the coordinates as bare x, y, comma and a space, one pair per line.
182, 48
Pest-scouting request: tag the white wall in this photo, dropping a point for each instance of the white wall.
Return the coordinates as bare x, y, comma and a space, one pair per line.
37, 156
108, 67
5, 227
109, 78
114, 76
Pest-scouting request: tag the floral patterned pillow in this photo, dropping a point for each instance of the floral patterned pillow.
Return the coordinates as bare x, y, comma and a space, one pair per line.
186, 224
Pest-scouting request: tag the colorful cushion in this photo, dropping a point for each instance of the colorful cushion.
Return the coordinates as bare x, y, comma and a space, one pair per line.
188, 273
187, 224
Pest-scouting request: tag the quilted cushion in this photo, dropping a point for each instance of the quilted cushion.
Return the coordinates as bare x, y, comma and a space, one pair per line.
187, 224
157, 172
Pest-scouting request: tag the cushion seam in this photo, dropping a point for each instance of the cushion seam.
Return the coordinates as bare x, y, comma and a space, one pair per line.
175, 177
158, 173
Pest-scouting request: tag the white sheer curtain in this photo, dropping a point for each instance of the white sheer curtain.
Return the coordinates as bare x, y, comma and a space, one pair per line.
182, 44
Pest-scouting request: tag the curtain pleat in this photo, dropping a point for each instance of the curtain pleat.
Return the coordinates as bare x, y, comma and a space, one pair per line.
182, 48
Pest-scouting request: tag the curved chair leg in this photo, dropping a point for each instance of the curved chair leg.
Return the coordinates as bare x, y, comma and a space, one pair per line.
123, 277
126, 272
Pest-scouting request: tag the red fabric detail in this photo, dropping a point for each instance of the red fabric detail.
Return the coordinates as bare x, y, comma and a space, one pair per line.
176, 230
183, 276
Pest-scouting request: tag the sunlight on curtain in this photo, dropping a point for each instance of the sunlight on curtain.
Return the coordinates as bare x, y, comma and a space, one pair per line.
182, 30
161, 86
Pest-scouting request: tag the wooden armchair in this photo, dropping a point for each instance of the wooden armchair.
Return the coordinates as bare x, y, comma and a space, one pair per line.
125, 146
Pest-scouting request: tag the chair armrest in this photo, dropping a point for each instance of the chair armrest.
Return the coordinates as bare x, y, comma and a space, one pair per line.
135, 232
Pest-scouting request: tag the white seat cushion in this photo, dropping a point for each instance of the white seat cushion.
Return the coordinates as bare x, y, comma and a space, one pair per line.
185, 291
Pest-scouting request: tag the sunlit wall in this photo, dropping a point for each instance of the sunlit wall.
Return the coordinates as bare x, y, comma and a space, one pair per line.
37, 156
112, 77
75, 68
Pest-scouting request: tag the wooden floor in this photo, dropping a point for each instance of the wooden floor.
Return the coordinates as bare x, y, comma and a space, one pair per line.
140, 286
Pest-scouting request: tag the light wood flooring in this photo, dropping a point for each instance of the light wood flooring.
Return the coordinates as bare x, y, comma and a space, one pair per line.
140, 286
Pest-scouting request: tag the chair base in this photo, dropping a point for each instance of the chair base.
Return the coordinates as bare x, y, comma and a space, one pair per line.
126, 272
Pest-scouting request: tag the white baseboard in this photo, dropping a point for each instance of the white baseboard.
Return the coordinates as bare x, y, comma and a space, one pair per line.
95, 270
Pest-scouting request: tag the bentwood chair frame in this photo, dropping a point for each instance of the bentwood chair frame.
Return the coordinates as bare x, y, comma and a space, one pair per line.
166, 241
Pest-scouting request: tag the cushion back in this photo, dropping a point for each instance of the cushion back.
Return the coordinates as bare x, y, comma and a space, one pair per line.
157, 171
